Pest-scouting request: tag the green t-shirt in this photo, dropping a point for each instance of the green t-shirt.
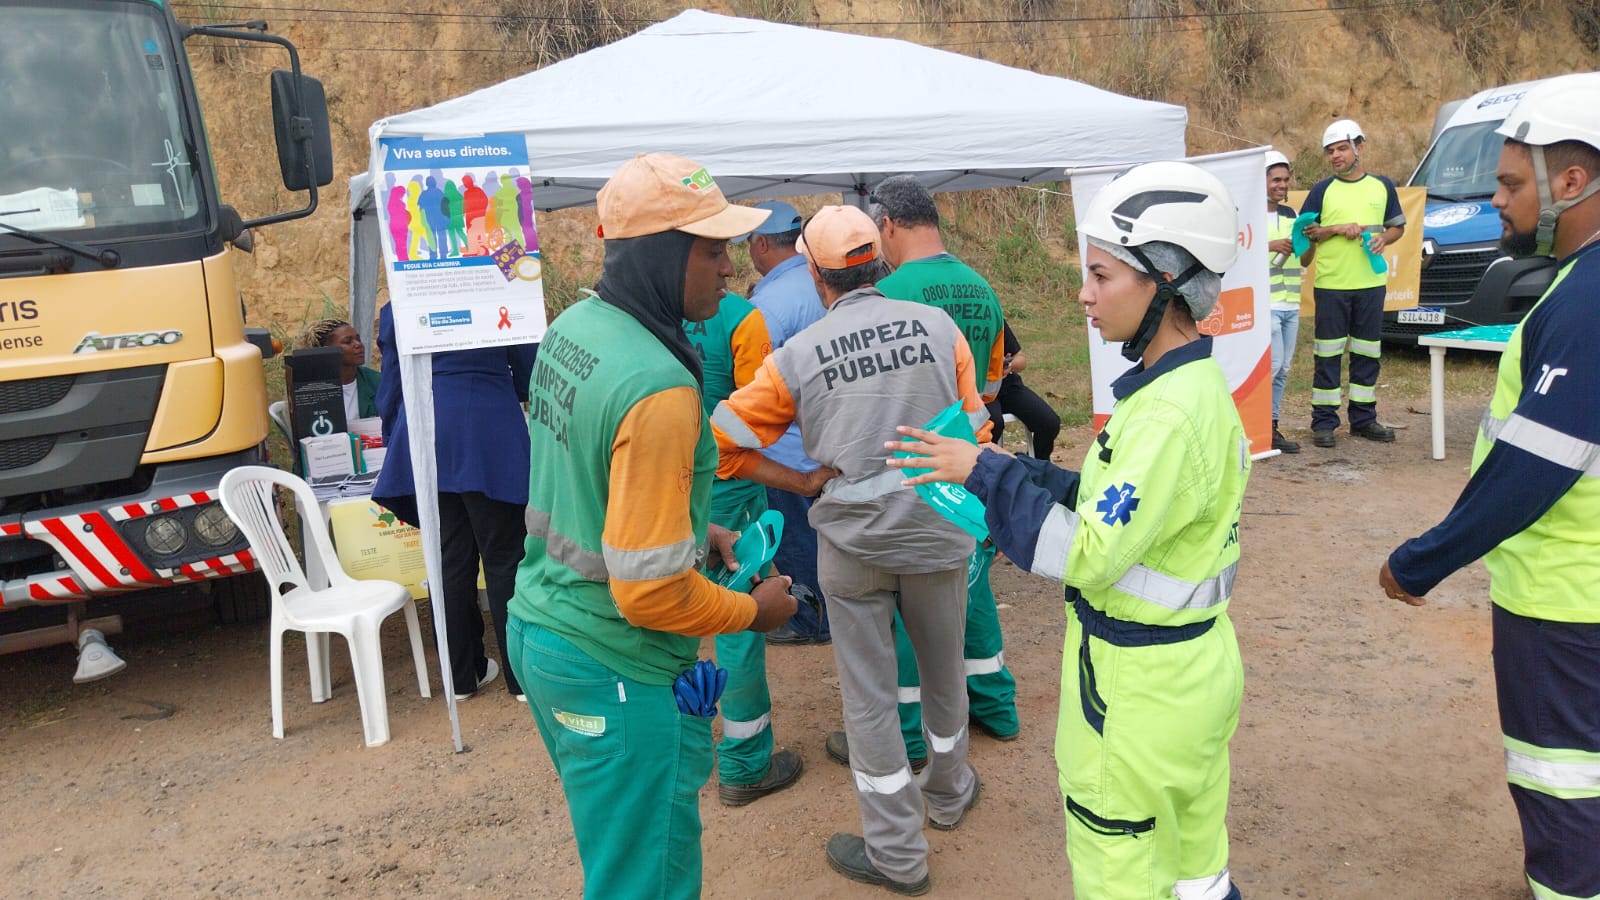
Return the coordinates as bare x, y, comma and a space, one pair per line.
946, 282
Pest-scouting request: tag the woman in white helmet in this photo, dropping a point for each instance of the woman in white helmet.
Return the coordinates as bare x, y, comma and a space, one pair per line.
1146, 541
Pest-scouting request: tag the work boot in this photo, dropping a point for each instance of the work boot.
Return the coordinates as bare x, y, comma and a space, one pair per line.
1281, 443
783, 771
1372, 431
1323, 437
838, 747
847, 854
977, 788
993, 732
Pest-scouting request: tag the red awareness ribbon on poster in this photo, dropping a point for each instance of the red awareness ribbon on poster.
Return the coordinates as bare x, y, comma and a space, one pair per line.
505, 318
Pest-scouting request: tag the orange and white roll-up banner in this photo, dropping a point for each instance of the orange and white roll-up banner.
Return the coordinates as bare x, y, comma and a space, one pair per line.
1238, 326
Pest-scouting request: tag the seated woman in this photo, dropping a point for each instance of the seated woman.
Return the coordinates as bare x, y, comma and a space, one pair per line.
360, 383
1019, 400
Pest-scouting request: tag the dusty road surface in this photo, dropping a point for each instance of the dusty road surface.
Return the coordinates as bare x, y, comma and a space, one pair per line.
1367, 762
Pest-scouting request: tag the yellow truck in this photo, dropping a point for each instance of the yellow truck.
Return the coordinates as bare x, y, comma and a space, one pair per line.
128, 381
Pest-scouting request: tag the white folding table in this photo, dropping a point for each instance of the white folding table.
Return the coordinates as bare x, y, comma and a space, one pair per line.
1492, 338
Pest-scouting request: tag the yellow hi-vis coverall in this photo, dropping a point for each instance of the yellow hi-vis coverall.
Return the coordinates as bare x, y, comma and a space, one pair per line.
1146, 539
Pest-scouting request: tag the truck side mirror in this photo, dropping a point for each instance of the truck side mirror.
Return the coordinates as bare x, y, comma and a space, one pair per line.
298, 115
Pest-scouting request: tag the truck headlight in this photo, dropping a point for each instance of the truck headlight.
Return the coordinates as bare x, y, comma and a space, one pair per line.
214, 528
1430, 249
165, 535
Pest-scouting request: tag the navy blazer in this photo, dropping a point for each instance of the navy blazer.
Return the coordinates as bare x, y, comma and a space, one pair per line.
480, 430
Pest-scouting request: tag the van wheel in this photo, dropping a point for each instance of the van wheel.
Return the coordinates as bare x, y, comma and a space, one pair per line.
242, 598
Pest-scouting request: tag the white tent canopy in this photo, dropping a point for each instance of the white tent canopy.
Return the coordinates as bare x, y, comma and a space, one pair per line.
782, 111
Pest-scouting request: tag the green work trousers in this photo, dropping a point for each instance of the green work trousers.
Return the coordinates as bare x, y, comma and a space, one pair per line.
1142, 754
745, 752
991, 689
631, 767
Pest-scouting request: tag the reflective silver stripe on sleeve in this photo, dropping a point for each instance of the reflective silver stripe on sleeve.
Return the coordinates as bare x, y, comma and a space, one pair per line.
1054, 543
893, 783
742, 730
991, 387
981, 415
987, 666
1490, 426
885, 482
537, 521
939, 744
651, 563
1210, 887
734, 427
1547, 443
586, 563
911, 694
1558, 776
1174, 593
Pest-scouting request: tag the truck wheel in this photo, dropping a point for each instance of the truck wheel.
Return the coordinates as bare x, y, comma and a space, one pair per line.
242, 598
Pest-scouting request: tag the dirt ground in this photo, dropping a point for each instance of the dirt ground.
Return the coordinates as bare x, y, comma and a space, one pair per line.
1367, 763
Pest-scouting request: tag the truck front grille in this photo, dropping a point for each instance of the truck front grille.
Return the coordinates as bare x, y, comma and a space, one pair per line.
22, 452
33, 393
1453, 276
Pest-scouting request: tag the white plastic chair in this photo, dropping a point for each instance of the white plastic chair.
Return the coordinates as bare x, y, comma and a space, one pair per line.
1027, 436
278, 410
355, 609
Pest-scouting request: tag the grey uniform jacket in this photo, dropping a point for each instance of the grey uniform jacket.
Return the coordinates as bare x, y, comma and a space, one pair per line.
869, 364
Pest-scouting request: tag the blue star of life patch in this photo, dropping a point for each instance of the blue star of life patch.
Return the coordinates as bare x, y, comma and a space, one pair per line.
1117, 507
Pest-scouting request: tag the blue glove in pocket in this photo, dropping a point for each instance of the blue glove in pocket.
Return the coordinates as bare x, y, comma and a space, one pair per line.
698, 689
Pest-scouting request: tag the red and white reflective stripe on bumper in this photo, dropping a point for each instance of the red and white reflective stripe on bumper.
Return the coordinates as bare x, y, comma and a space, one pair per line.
229, 564
93, 548
47, 588
165, 504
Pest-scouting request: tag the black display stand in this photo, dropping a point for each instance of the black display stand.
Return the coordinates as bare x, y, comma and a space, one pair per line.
316, 396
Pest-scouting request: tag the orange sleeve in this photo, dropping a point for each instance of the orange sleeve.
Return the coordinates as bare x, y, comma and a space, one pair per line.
997, 366
755, 416
648, 540
971, 402
752, 343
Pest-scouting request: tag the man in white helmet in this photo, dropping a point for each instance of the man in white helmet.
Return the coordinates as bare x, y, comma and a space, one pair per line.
1532, 506
1358, 215
1146, 540
1284, 275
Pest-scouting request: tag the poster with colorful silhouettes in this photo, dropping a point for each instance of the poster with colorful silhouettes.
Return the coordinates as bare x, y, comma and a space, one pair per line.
460, 242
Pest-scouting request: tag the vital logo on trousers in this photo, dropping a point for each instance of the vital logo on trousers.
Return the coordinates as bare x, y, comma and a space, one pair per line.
591, 726
1118, 504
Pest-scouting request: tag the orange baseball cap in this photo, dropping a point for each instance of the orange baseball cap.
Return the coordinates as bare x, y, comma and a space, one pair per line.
657, 192
839, 237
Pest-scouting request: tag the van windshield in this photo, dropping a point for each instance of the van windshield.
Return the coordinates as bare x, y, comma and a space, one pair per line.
95, 141
1461, 163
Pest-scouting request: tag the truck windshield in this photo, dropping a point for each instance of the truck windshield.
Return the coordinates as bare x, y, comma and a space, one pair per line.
1461, 163
95, 143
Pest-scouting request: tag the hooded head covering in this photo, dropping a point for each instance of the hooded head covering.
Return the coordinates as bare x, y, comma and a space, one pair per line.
643, 276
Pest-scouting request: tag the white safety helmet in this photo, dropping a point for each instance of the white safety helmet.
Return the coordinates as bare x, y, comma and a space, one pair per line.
1342, 130
1175, 202
1561, 109
1274, 158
